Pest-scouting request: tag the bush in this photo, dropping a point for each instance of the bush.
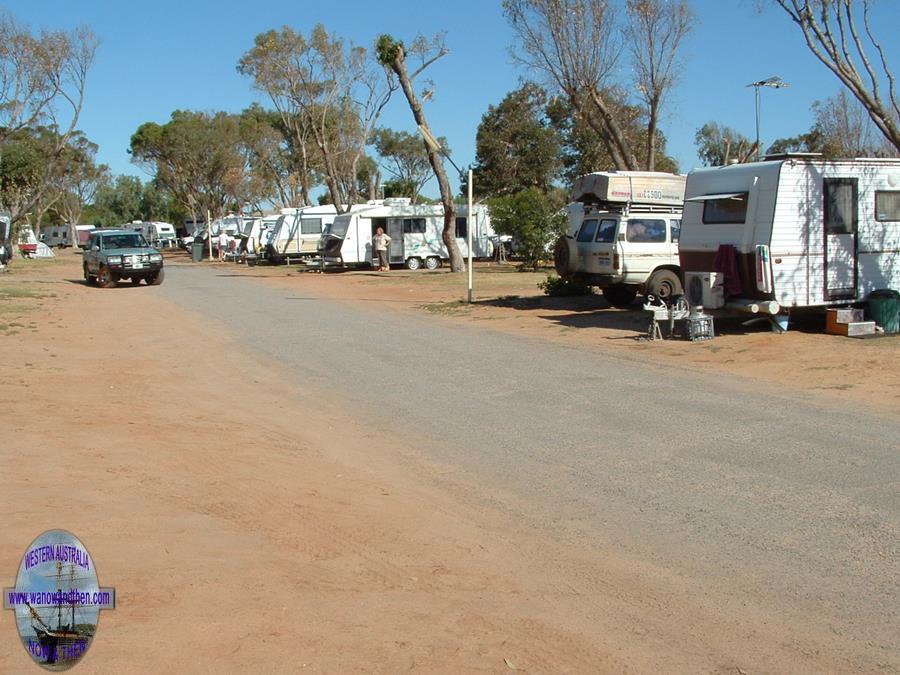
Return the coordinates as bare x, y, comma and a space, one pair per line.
534, 218
557, 287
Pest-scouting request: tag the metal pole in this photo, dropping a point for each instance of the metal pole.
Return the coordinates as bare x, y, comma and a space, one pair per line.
470, 226
758, 149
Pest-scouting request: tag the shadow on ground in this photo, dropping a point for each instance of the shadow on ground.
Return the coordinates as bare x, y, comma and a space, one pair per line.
594, 311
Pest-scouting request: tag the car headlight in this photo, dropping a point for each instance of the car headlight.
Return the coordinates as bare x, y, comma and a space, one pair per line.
155, 257
114, 260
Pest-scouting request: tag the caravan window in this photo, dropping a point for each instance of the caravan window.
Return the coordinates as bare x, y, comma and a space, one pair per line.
840, 205
887, 205
311, 226
646, 231
462, 228
606, 233
413, 226
586, 233
730, 210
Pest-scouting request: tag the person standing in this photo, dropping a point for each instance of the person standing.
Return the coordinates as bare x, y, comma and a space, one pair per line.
381, 242
223, 244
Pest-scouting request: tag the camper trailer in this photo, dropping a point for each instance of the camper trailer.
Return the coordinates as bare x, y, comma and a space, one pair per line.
791, 231
297, 231
55, 236
623, 234
415, 232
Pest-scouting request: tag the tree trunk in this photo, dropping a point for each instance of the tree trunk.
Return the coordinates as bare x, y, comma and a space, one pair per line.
615, 133
652, 122
457, 263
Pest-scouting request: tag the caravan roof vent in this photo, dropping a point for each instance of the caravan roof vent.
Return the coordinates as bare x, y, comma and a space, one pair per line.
397, 201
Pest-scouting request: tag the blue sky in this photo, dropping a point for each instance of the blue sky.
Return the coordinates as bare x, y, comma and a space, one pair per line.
166, 55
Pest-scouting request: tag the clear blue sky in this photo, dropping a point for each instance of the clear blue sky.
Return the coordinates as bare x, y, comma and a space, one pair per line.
166, 55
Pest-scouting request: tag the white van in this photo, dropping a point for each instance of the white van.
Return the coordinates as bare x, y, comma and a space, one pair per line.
626, 238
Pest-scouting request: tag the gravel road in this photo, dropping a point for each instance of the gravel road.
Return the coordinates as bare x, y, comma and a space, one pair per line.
781, 501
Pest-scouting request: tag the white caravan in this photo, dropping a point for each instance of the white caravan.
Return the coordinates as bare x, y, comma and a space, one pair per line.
623, 234
155, 232
415, 232
297, 232
791, 231
256, 233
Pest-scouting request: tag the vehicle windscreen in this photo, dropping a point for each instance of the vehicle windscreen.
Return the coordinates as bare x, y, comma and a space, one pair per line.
338, 228
134, 240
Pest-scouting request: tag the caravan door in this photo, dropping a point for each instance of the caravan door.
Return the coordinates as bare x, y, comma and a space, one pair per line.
395, 248
841, 222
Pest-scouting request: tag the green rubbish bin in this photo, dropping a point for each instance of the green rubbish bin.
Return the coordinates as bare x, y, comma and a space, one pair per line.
197, 251
884, 308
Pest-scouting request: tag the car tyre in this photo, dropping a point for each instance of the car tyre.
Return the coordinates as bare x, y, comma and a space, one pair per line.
413, 263
432, 262
106, 278
89, 278
565, 257
664, 284
620, 295
156, 279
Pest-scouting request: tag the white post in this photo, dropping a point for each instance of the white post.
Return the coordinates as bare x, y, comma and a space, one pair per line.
470, 225
209, 233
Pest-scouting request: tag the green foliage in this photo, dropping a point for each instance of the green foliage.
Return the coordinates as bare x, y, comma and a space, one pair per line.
718, 144
197, 157
516, 148
405, 157
387, 49
534, 218
583, 150
557, 287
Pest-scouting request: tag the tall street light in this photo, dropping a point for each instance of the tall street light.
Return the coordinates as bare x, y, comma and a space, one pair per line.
776, 83
433, 143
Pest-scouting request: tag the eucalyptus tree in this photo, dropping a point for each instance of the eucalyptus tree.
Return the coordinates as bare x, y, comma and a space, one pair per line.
43, 77
841, 35
405, 157
579, 48
393, 54
329, 94
198, 158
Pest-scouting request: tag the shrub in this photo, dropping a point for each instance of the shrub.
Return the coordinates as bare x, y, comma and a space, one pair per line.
557, 287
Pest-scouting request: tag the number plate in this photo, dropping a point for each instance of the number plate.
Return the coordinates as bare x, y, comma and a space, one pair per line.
137, 265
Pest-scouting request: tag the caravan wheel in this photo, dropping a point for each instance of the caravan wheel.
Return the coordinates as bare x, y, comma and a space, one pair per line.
432, 263
413, 263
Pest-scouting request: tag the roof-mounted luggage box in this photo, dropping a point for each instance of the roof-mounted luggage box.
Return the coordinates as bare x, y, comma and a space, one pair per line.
621, 188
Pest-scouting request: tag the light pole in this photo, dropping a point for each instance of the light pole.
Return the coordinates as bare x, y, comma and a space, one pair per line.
776, 83
432, 143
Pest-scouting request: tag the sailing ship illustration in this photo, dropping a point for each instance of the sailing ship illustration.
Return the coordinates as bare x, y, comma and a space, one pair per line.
64, 642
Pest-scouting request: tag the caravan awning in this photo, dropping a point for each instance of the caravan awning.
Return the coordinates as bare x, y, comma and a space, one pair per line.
724, 195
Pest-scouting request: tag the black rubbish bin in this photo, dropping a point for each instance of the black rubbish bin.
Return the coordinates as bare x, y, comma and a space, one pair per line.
884, 308
197, 251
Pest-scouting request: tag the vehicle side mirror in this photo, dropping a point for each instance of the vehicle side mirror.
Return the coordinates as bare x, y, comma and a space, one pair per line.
95, 248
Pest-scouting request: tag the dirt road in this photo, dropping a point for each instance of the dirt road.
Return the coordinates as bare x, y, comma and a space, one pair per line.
251, 517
